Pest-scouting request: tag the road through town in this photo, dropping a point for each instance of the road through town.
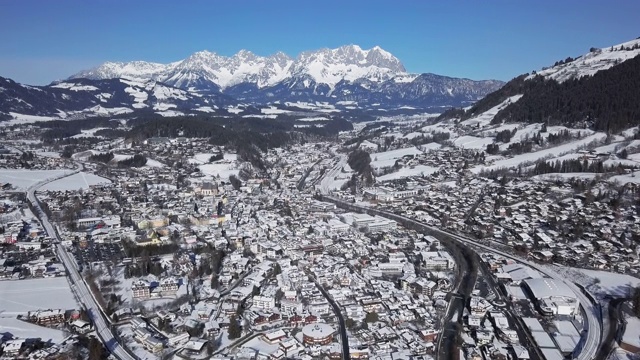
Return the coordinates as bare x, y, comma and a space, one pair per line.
79, 286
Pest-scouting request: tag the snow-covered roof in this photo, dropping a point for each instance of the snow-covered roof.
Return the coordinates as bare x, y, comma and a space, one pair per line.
546, 288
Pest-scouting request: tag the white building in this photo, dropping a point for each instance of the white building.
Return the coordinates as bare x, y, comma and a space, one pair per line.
264, 302
437, 259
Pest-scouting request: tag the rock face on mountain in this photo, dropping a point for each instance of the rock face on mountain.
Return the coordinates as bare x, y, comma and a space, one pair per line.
371, 77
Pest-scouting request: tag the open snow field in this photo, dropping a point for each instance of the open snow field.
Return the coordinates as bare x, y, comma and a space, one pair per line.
565, 176
24, 330
417, 170
485, 118
79, 181
22, 179
388, 158
222, 168
21, 296
612, 283
542, 154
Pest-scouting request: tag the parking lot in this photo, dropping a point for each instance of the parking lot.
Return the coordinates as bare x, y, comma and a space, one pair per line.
99, 252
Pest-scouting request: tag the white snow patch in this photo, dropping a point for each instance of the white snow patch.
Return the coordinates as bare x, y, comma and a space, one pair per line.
418, 170
22, 179
485, 118
542, 154
21, 296
590, 63
79, 181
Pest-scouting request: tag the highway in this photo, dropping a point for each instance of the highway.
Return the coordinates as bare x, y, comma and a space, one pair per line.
591, 314
79, 286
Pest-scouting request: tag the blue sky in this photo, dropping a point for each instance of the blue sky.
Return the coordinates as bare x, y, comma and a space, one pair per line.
42, 41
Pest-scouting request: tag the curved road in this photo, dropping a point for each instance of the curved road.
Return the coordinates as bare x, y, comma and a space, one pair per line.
79, 286
594, 329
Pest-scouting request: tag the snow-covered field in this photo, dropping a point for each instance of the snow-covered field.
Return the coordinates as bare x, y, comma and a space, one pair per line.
485, 118
417, 170
625, 179
24, 330
612, 283
22, 179
21, 296
388, 158
75, 182
48, 154
590, 63
564, 176
542, 154
473, 142
223, 168
599, 282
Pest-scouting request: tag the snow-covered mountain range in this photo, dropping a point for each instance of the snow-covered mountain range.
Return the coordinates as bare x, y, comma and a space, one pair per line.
372, 77
326, 66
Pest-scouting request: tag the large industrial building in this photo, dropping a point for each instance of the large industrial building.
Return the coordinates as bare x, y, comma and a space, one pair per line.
552, 298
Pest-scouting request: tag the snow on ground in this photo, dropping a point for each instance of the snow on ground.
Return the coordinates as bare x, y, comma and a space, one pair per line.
24, 330
273, 110
436, 128
600, 283
154, 163
165, 92
485, 118
25, 119
623, 162
388, 158
234, 110
590, 63
21, 179
542, 154
81, 180
88, 133
170, 113
99, 110
21, 296
413, 135
139, 97
126, 333
203, 158
223, 168
309, 106
260, 346
48, 154
313, 118
611, 283
164, 106
629, 133
75, 87
564, 176
207, 109
632, 178
620, 354
272, 116
419, 170
473, 142
368, 145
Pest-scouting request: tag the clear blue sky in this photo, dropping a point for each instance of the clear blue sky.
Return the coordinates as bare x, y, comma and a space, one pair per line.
47, 40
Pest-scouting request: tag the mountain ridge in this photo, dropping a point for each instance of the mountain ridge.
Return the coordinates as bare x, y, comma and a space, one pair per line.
324, 65
597, 90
